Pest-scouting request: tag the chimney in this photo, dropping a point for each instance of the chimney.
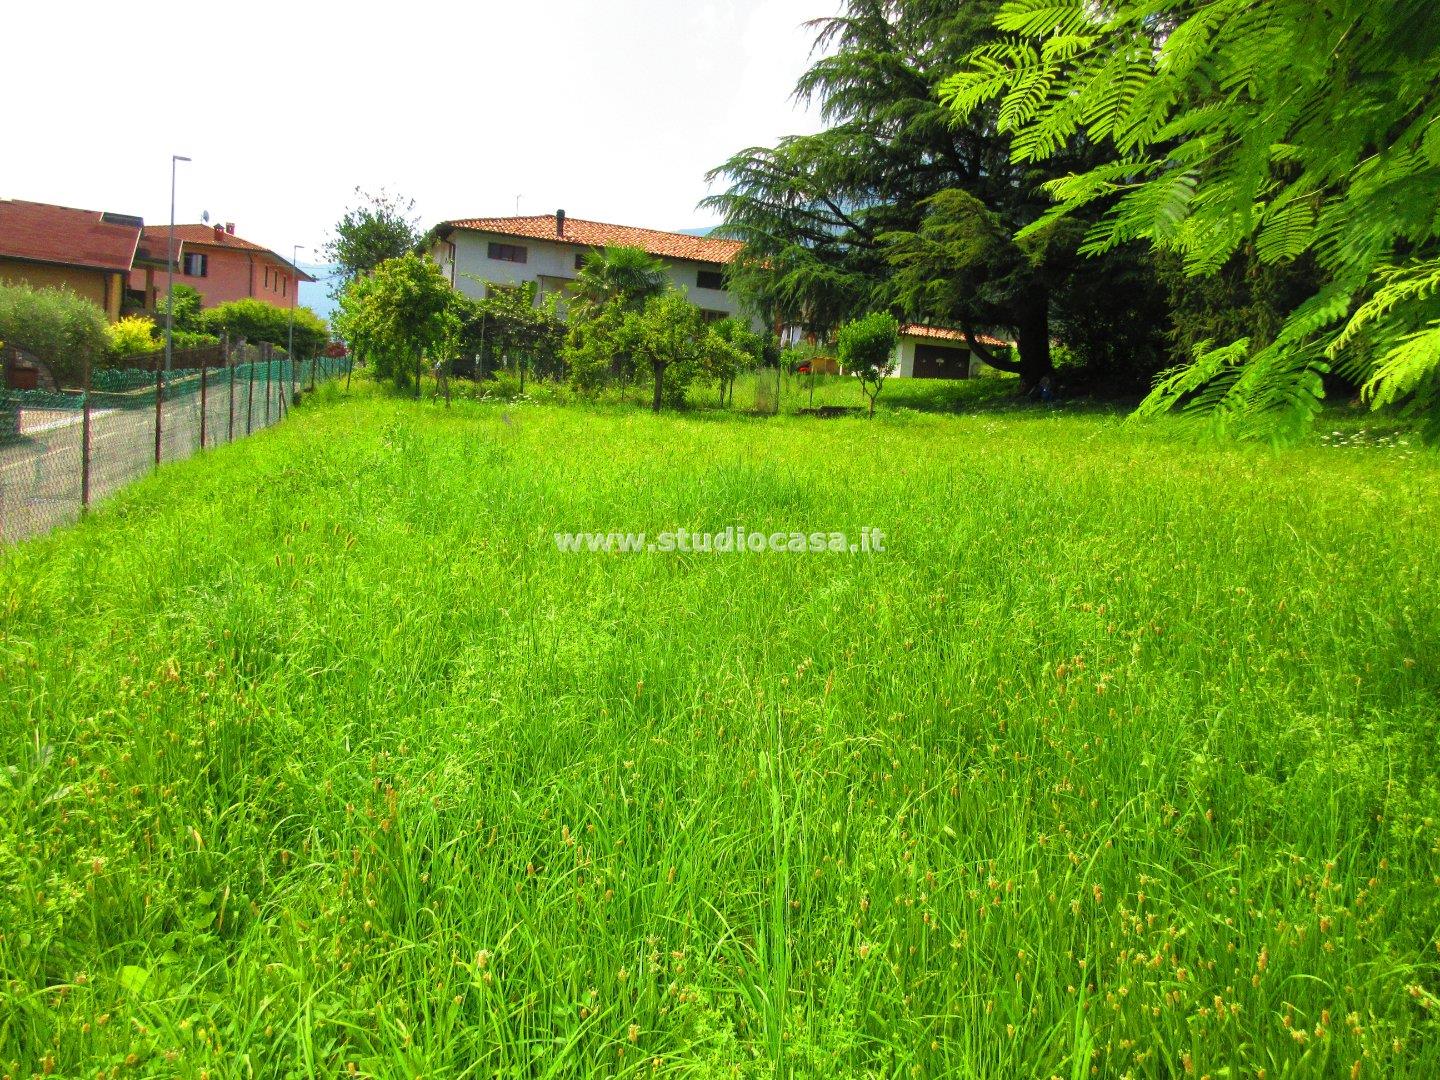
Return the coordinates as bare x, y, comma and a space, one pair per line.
230, 227
219, 232
559, 222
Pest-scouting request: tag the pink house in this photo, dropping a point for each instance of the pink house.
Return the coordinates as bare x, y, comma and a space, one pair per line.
220, 265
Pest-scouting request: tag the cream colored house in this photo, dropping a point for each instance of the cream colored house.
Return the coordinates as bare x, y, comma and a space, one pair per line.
549, 249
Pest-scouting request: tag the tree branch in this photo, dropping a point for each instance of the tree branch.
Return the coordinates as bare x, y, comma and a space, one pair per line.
986, 355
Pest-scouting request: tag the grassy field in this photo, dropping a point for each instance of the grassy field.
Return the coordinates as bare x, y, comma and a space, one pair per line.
319, 758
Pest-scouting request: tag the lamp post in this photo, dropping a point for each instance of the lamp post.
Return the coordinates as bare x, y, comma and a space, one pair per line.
175, 159
295, 288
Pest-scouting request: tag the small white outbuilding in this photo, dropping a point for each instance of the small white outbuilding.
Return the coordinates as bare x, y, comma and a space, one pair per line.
938, 352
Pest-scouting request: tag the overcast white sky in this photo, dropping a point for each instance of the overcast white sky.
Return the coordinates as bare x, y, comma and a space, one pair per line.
610, 109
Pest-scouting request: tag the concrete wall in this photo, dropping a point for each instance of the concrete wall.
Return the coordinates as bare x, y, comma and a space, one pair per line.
552, 266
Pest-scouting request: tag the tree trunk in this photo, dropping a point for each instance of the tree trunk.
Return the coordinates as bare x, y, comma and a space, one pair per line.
659, 384
1032, 342
1032, 339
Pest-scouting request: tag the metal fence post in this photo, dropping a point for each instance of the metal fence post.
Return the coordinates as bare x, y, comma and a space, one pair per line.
85, 444
249, 397
269, 367
203, 403
159, 402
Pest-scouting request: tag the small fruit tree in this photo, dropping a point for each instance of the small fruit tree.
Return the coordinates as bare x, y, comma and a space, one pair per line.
867, 347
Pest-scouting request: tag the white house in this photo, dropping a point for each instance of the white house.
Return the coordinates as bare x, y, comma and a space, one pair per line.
937, 352
548, 249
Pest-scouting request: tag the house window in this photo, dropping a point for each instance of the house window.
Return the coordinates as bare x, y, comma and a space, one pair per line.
509, 253
195, 265
284, 286
267, 277
711, 279
709, 316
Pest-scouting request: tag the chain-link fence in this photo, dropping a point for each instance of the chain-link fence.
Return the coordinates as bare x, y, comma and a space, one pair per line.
62, 451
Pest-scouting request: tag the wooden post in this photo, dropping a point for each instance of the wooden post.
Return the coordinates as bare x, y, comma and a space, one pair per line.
269, 369
230, 363
85, 444
203, 403
159, 402
249, 397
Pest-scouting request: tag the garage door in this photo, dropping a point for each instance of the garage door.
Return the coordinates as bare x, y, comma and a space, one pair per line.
941, 362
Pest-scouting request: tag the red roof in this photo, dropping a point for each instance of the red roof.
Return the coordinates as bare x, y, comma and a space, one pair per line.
596, 234
189, 236
945, 333
65, 236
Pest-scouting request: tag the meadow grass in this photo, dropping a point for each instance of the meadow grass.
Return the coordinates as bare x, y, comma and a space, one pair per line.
320, 759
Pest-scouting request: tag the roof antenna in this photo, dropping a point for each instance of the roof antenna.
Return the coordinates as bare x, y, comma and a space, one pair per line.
205, 216
517, 205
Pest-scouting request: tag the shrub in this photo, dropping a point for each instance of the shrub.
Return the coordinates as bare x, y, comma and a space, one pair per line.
186, 339
133, 335
188, 314
56, 325
256, 321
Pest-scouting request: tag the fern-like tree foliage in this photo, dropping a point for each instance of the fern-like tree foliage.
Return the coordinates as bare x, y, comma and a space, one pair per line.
897, 205
1276, 130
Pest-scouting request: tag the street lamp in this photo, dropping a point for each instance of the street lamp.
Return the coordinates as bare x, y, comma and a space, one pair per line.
170, 269
294, 288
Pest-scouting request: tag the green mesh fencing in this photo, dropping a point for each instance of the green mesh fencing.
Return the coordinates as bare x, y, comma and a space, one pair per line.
62, 451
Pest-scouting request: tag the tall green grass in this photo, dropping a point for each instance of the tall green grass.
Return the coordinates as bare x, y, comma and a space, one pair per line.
320, 758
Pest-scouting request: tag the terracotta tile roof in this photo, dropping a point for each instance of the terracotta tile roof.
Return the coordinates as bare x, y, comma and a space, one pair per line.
596, 234
945, 333
209, 236
63, 235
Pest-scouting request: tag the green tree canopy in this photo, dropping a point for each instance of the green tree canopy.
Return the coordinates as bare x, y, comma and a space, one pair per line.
668, 335
401, 311
896, 177
381, 227
1280, 129
866, 348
